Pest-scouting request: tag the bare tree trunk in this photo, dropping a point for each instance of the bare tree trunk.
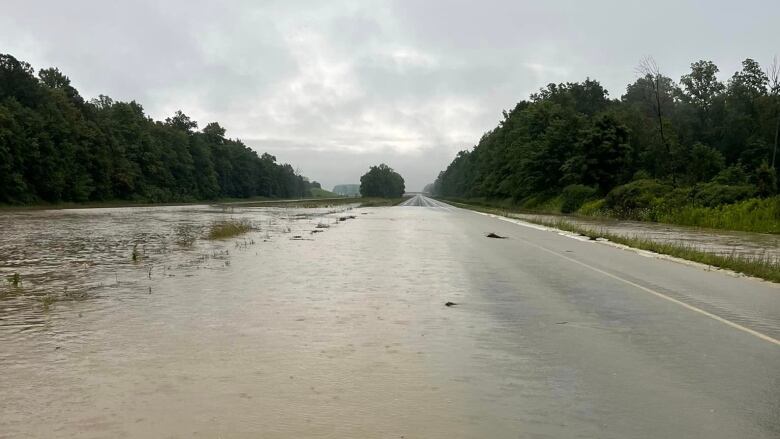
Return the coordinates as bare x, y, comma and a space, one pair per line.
773, 73
777, 135
648, 67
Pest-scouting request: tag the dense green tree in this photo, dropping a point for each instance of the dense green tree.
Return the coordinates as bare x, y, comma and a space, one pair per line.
602, 159
55, 146
382, 181
570, 139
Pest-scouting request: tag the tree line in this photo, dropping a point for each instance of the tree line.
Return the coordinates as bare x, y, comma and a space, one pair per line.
55, 146
698, 140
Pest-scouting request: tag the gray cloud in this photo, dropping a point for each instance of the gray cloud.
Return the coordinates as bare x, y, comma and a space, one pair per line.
333, 87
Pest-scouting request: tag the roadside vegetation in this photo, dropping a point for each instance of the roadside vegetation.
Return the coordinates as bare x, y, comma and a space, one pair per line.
228, 229
761, 267
696, 152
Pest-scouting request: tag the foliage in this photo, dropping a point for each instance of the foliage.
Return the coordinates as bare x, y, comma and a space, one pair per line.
57, 147
382, 181
699, 144
574, 196
752, 215
639, 194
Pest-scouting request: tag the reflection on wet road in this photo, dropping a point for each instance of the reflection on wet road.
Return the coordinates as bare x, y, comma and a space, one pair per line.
286, 332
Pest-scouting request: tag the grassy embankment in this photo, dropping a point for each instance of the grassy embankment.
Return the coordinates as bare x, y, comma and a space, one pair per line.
761, 267
752, 215
317, 192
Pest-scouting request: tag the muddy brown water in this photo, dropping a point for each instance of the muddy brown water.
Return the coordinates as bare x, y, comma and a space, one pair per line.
723, 242
266, 332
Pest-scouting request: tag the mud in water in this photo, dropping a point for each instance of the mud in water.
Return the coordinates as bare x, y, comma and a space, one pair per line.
278, 331
393, 323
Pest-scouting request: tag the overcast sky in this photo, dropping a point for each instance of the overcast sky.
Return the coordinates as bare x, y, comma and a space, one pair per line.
335, 86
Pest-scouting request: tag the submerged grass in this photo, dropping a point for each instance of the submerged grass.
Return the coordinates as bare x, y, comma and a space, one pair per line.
186, 234
228, 229
764, 267
15, 279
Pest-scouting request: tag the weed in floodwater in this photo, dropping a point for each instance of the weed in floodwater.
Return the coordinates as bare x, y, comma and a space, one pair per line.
186, 235
135, 255
15, 279
228, 229
47, 301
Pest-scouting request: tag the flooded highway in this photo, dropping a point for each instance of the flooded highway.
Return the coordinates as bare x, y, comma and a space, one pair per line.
333, 322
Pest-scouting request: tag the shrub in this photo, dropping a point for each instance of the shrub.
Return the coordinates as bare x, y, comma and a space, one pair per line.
639, 194
574, 196
714, 194
593, 208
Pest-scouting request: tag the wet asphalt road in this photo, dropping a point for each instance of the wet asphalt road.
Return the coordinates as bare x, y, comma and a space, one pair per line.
632, 345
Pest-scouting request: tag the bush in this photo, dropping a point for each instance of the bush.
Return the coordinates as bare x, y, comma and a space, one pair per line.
574, 196
639, 194
733, 175
714, 194
593, 208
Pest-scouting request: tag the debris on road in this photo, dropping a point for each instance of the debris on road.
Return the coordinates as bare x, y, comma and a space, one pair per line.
493, 235
450, 304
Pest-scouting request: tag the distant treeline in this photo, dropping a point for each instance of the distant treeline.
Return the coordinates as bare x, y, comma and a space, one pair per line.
660, 146
57, 147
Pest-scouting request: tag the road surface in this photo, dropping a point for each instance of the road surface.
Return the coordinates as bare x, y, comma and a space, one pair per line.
635, 346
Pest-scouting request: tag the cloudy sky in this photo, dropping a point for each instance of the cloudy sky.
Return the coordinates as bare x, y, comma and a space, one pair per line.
335, 86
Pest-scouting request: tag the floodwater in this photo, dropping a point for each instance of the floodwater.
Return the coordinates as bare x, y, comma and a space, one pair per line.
723, 242
336, 331
268, 332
